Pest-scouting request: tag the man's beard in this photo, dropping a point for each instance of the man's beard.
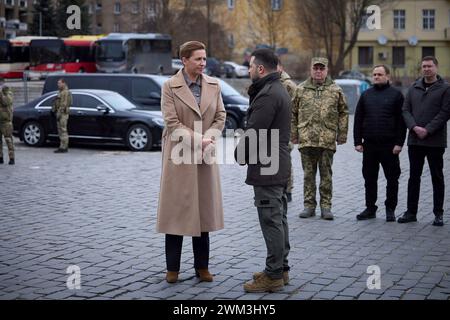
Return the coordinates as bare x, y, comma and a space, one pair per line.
254, 78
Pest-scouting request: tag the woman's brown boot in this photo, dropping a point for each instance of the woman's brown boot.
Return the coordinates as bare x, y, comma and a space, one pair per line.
172, 276
204, 275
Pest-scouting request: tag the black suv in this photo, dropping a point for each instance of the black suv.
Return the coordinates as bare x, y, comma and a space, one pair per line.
214, 68
145, 91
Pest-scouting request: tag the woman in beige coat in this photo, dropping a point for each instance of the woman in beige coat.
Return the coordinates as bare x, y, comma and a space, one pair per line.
190, 200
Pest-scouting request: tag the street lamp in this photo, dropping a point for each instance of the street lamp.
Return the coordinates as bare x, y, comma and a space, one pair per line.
40, 20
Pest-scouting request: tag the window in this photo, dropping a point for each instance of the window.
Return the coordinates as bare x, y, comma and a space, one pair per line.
87, 102
276, 5
231, 4
23, 3
9, 2
398, 56
399, 19
145, 89
135, 27
364, 18
48, 102
91, 8
428, 19
231, 40
117, 8
116, 27
365, 56
135, 7
427, 51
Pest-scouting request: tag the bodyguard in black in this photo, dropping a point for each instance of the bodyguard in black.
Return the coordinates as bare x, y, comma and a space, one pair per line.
426, 111
379, 133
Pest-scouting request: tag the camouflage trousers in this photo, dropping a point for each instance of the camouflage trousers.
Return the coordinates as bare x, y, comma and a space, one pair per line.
290, 184
61, 121
313, 158
6, 130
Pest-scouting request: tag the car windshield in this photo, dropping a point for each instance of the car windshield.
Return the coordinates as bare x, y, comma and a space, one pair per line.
228, 90
117, 101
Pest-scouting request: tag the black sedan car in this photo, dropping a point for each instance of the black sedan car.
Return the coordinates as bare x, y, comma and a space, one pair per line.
96, 115
145, 91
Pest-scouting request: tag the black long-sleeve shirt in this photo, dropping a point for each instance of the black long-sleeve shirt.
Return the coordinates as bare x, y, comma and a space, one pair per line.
378, 117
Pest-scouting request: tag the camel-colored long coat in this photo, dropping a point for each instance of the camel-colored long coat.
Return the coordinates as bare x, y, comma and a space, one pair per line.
190, 200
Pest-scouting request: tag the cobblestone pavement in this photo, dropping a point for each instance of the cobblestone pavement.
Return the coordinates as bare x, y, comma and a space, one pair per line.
95, 207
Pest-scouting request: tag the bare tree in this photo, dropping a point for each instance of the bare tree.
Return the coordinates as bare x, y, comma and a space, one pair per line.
265, 25
188, 22
333, 25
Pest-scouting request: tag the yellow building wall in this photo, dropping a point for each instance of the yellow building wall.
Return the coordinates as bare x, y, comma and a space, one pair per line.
249, 22
439, 38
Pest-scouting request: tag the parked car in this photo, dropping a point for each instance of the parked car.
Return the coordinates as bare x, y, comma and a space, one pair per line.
237, 70
96, 115
352, 89
214, 68
145, 91
176, 65
353, 74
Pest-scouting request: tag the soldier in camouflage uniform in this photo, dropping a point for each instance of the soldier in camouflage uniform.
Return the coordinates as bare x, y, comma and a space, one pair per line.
319, 120
290, 86
6, 126
61, 107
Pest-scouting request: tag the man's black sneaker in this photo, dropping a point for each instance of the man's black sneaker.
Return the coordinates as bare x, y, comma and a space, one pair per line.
390, 215
367, 214
11, 161
438, 221
407, 217
60, 151
1, 161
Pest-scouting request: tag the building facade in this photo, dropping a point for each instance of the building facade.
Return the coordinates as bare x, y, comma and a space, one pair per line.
15, 18
410, 30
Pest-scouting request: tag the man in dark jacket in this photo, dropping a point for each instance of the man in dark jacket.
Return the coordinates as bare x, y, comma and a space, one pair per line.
426, 111
379, 133
264, 148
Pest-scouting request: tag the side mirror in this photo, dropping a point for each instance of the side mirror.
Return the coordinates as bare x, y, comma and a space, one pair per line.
102, 108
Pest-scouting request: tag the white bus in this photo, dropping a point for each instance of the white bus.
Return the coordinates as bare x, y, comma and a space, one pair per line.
149, 53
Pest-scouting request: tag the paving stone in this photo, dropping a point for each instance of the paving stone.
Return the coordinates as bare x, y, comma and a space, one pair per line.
72, 219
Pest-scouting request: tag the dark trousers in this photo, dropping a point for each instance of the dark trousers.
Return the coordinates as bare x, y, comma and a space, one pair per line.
373, 157
435, 158
271, 203
200, 246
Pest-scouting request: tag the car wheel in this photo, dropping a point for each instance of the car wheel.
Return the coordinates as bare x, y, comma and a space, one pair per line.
139, 138
230, 123
33, 134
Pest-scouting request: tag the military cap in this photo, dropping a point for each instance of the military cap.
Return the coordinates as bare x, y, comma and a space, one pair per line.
319, 60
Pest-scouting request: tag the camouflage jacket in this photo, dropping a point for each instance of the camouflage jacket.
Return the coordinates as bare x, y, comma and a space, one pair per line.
62, 102
288, 83
6, 108
319, 115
